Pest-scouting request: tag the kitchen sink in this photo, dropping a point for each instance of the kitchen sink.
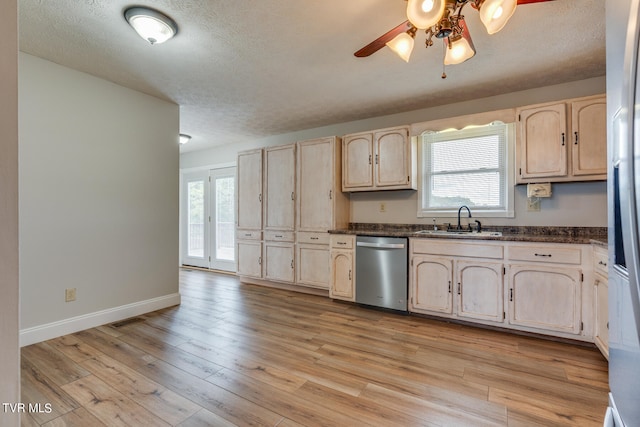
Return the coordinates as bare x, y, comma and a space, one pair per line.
459, 233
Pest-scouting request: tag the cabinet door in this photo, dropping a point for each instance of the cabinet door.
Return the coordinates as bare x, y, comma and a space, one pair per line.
279, 188
313, 265
315, 185
342, 275
249, 258
431, 287
479, 290
279, 262
601, 333
589, 137
357, 162
545, 298
542, 149
249, 190
392, 162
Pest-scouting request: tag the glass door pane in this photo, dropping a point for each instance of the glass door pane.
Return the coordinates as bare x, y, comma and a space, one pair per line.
223, 221
195, 238
194, 219
225, 230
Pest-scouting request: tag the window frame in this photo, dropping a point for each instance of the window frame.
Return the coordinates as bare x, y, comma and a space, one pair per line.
509, 177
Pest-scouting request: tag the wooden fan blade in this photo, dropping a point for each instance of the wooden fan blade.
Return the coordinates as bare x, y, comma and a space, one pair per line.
531, 1
380, 42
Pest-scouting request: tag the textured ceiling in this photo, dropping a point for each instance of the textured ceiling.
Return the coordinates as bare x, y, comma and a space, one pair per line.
247, 69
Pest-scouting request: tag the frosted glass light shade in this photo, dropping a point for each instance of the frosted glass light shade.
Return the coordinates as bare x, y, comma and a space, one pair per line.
459, 47
425, 13
184, 138
494, 14
151, 25
402, 45
458, 51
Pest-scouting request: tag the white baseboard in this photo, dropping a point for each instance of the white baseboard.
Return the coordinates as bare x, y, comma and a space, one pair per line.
79, 323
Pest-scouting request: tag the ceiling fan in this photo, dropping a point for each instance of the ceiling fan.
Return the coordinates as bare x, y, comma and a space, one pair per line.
444, 20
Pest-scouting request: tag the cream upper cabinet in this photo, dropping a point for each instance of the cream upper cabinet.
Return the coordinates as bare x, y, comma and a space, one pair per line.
249, 190
589, 137
279, 187
321, 206
342, 267
384, 159
542, 141
357, 161
392, 159
564, 141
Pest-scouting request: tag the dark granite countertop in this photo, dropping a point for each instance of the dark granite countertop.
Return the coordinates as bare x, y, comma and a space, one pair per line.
580, 235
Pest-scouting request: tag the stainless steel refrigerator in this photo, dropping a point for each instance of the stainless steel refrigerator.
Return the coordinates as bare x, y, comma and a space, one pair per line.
623, 114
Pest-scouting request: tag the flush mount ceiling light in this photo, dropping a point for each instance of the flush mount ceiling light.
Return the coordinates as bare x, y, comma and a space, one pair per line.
184, 138
444, 20
151, 25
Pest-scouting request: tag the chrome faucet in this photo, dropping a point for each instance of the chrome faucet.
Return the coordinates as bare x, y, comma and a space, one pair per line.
459, 210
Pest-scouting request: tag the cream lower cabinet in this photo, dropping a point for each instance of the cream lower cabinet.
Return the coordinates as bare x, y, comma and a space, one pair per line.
249, 258
545, 297
601, 300
460, 281
279, 261
480, 292
342, 267
534, 287
545, 287
431, 285
312, 259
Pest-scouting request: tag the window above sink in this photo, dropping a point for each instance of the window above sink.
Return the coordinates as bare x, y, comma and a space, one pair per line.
472, 166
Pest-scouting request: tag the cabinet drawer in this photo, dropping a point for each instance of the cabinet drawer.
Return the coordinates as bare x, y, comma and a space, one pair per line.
600, 261
545, 253
248, 234
343, 241
462, 249
313, 238
279, 236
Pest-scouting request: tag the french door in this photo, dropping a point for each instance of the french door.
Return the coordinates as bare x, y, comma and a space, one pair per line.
208, 224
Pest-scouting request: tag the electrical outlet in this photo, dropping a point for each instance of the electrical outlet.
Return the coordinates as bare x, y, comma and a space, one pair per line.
533, 204
383, 207
70, 294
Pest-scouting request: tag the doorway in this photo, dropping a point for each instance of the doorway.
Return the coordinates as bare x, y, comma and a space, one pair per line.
208, 222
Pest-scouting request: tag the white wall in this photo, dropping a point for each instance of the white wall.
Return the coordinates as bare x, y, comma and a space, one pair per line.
9, 349
99, 172
573, 204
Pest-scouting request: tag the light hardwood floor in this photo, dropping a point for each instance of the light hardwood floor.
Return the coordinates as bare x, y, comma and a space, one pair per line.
238, 354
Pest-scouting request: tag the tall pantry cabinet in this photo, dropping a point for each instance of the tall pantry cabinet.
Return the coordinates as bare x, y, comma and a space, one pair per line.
249, 214
301, 184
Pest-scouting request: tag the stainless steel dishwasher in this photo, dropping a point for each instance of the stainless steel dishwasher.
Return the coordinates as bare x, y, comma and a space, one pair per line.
381, 272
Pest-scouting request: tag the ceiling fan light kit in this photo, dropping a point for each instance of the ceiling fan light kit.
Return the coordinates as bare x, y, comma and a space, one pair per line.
444, 20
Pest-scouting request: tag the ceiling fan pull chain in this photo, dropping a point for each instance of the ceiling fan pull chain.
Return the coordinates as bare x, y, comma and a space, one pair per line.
444, 53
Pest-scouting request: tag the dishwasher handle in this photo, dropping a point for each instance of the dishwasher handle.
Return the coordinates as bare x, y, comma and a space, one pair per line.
381, 245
